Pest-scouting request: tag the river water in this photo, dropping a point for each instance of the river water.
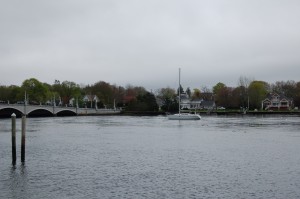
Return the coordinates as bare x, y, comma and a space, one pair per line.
152, 157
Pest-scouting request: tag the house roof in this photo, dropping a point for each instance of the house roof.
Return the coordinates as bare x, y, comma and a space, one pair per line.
207, 103
281, 97
184, 96
197, 100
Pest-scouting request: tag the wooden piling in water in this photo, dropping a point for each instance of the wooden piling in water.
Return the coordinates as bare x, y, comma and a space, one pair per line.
13, 138
23, 139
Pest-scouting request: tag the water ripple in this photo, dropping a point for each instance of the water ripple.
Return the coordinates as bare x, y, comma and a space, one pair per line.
152, 157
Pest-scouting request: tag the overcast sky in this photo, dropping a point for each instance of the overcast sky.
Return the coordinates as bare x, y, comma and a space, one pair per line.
144, 42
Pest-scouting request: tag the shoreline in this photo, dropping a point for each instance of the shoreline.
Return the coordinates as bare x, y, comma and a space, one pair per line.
157, 113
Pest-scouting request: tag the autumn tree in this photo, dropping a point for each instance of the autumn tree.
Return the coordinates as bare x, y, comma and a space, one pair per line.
237, 98
143, 102
297, 95
223, 97
131, 93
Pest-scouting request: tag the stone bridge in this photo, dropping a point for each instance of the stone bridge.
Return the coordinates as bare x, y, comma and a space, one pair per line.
42, 110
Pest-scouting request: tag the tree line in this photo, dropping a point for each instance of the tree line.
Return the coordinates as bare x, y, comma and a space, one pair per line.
61, 93
251, 93
247, 94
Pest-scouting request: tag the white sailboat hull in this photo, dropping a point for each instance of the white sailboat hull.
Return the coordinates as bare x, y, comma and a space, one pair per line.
184, 116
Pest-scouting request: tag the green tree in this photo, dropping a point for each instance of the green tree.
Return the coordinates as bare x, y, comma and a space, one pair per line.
11, 94
49, 92
218, 87
220, 93
5, 93
196, 93
17, 94
36, 91
56, 91
258, 91
69, 90
104, 92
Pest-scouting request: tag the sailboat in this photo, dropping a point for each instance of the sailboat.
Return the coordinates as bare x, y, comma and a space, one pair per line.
183, 116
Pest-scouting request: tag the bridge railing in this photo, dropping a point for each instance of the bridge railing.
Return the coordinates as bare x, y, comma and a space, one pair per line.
27, 109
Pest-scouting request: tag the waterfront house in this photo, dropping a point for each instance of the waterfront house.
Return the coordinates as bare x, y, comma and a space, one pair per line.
196, 103
189, 103
275, 101
184, 101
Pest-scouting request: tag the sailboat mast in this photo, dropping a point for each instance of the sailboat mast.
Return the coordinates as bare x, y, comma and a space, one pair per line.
179, 92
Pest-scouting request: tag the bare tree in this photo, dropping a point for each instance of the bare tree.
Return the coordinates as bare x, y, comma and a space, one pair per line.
206, 93
244, 83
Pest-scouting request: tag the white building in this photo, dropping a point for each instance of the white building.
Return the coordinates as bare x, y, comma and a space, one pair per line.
188, 103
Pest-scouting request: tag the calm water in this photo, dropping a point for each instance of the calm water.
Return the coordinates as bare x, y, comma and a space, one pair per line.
152, 157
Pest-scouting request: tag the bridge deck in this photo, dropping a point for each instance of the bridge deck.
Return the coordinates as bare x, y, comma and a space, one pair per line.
57, 110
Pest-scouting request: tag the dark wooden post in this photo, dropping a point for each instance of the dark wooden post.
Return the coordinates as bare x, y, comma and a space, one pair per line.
23, 139
13, 138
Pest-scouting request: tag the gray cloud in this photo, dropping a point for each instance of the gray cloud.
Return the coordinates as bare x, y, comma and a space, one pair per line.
145, 42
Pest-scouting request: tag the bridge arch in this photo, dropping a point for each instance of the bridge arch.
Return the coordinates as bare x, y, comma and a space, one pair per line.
8, 111
39, 112
66, 112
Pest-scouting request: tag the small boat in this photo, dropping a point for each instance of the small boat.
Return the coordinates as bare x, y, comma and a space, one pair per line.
183, 116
